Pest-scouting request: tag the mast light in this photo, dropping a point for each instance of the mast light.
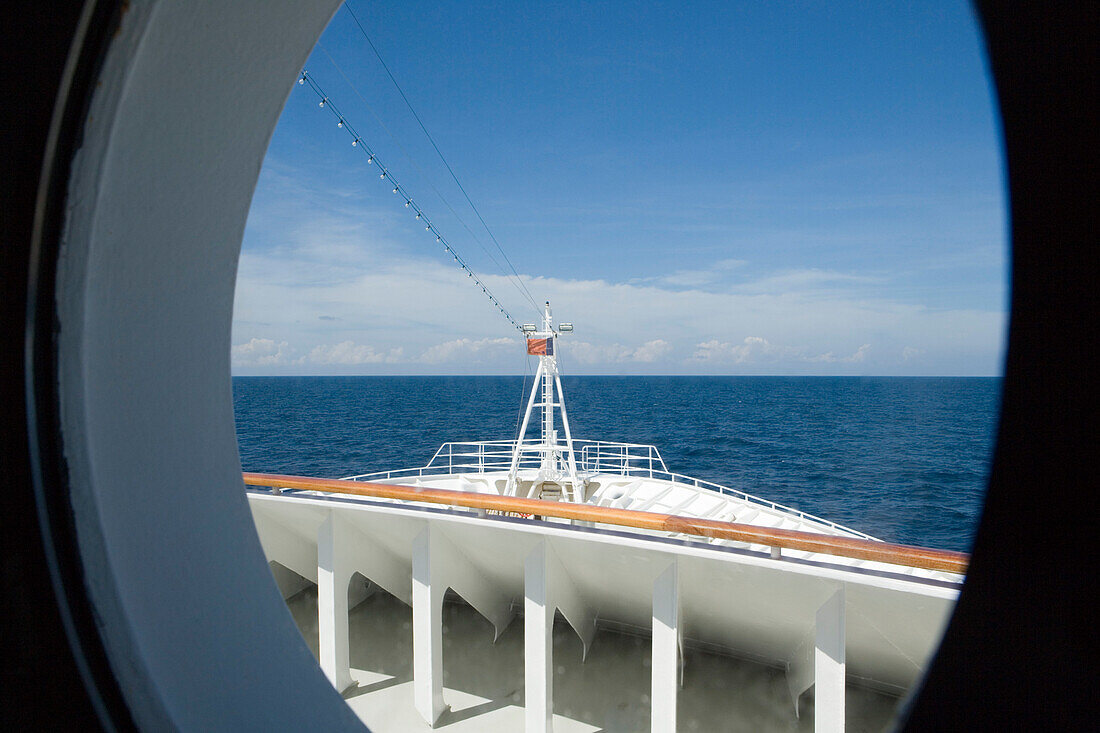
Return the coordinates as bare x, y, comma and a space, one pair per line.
528, 328
565, 327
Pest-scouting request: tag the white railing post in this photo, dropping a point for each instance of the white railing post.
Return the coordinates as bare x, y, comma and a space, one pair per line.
333, 575
538, 642
665, 655
818, 662
427, 597
829, 665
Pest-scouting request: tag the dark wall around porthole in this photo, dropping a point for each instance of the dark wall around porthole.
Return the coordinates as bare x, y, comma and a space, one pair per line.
1016, 648
55, 674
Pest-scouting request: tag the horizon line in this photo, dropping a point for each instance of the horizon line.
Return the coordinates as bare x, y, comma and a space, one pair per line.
565, 376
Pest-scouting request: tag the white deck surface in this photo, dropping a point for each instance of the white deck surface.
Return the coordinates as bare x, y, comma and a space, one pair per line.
640, 493
483, 682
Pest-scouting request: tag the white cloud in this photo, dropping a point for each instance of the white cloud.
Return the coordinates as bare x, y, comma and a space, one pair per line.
356, 294
588, 353
349, 352
753, 350
828, 358
651, 351
758, 350
696, 278
465, 348
805, 281
261, 352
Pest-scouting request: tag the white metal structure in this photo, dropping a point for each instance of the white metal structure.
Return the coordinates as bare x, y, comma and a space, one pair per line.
556, 475
826, 621
819, 621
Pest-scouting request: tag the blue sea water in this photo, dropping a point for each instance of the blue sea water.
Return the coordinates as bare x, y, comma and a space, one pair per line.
903, 459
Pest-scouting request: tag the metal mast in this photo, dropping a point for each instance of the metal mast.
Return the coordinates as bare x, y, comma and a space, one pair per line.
557, 466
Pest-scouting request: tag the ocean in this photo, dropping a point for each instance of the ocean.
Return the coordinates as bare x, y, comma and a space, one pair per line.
904, 459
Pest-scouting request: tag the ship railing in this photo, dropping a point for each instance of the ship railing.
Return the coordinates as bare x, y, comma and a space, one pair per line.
680, 478
601, 456
858, 548
482, 455
461, 457
595, 456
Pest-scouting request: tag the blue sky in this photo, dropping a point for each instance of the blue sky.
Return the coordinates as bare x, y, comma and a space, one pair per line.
726, 188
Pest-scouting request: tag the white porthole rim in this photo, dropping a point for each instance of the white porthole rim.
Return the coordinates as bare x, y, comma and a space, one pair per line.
194, 628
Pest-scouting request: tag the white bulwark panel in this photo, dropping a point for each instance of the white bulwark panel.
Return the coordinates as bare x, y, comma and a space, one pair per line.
827, 624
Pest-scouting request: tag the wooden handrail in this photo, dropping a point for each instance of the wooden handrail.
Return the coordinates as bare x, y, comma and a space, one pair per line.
853, 547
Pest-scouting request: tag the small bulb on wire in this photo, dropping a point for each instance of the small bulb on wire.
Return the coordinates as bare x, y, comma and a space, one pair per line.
407, 204
382, 174
302, 79
418, 216
322, 104
395, 189
340, 124
370, 158
355, 142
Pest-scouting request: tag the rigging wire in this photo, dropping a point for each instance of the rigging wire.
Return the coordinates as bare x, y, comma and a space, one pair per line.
358, 142
347, 6
514, 279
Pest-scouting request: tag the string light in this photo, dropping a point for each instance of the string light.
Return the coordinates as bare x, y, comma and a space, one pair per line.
357, 141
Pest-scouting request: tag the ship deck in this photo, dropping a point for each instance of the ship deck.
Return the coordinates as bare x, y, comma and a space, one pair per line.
632, 477
602, 599
608, 691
